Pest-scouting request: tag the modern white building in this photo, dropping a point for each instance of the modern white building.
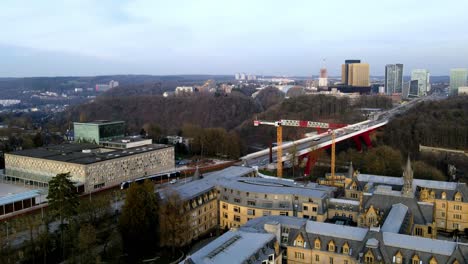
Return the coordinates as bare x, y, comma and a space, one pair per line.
183, 90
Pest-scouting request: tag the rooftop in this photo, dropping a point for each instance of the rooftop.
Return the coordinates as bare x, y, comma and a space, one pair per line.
100, 122
276, 186
434, 246
79, 153
199, 186
338, 231
395, 218
233, 247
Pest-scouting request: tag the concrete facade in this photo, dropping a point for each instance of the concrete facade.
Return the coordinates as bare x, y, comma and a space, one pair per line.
104, 168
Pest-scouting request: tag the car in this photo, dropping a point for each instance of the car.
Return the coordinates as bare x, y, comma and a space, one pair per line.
173, 181
317, 139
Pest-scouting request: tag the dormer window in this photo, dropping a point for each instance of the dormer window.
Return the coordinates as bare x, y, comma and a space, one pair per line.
458, 197
398, 258
346, 248
331, 246
299, 242
415, 259
443, 196
317, 243
432, 261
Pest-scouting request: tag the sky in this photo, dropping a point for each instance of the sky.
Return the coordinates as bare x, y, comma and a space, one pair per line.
290, 38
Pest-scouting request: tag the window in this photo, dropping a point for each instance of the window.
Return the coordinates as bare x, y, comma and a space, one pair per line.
266, 196
345, 262
236, 209
247, 194
237, 200
237, 218
457, 216
331, 260
317, 243
283, 205
317, 257
299, 255
225, 215
369, 259
225, 206
266, 213
252, 203
305, 216
444, 195
346, 248
251, 212
284, 213
305, 208
270, 257
418, 231
457, 207
458, 197
415, 259
331, 246
314, 209
442, 214
443, 205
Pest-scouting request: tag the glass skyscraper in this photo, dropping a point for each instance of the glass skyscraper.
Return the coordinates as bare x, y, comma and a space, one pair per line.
423, 78
393, 78
458, 78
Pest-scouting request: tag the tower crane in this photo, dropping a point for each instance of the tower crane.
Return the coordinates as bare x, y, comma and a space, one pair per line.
297, 123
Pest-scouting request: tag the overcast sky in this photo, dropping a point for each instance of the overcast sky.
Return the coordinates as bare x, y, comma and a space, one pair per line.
96, 37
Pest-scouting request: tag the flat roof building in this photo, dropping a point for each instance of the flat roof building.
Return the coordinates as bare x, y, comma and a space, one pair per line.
97, 131
91, 166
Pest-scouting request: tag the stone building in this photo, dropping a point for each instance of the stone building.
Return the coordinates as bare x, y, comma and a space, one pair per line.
304, 241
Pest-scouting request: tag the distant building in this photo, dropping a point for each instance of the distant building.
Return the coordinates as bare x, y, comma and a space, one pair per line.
414, 88
251, 77
106, 87
355, 74
393, 78
458, 78
78, 90
463, 90
237, 76
243, 76
167, 94
323, 79
181, 90
97, 131
423, 78
9, 102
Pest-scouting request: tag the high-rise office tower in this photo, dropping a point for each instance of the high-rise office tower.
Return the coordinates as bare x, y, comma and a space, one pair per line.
414, 89
423, 78
358, 74
393, 78
458, 78
345, 70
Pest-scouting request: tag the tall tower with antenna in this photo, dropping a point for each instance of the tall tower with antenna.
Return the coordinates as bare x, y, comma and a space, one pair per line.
323, 78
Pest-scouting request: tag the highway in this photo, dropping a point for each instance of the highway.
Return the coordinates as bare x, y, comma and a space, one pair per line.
308, 144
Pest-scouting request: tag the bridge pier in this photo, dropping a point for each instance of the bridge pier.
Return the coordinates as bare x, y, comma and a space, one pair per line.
365, 136
357, 141
311, 160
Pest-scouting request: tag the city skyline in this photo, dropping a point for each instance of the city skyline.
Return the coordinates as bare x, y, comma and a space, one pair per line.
55, 38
